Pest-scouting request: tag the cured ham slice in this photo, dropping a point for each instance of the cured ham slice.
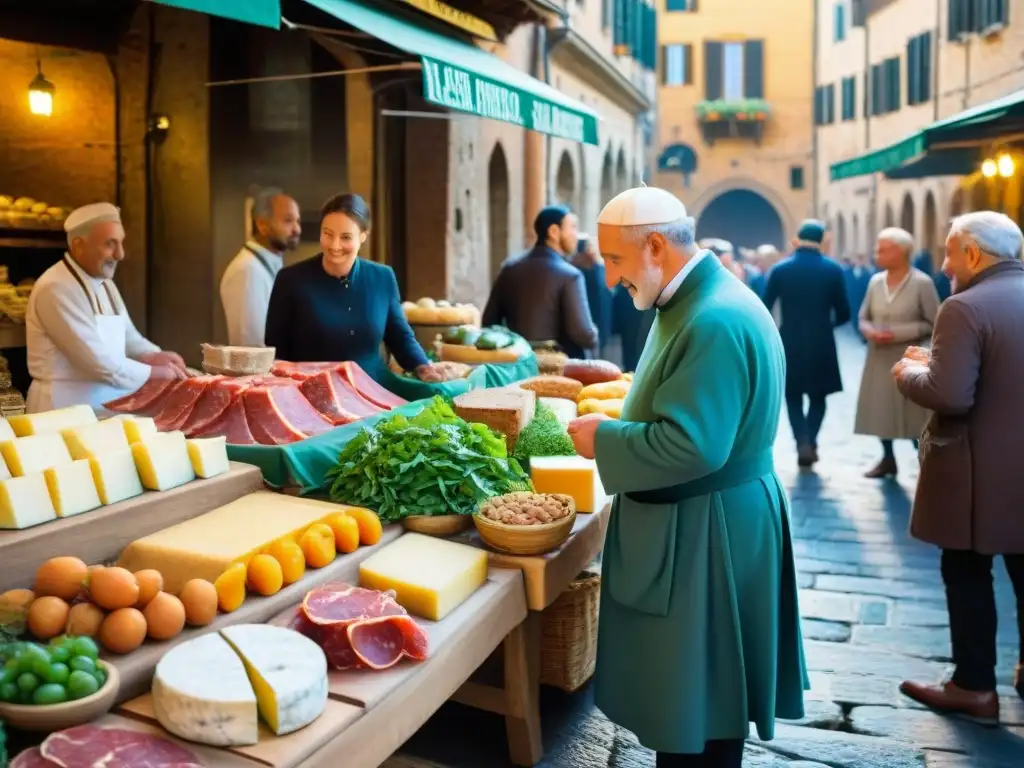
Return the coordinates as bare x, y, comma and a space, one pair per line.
142, 398
31, 758
364, 384
178, 406
232, 424
213, 403
335, 398
89, 746
382, 642
278, 415
301, 371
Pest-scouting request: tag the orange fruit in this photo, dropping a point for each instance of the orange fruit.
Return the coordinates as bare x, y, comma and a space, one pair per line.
84, 619
165, 616
150, 582
230, 587
123, 630
346, 532
113, 588
199, 597
264, 575
289, 555
18, 598
61, 577
47, 617
318, 545
370, 528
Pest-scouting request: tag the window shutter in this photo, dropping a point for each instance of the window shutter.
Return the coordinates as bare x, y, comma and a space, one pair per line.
817, 106
663, 65
687, 64
877, 93
753, 69
853, 98
831, 103
639, 30
924, 51
652, 36
713, 85
619, 26
953, 19
895, 101
912, 76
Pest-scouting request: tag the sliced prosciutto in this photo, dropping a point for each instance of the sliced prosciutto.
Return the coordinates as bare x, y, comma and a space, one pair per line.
336, 399
279, 415
179, 404
142, 398
90, 746
382, 642
364, 384
31, 758
213, 403
301, 371
232, 424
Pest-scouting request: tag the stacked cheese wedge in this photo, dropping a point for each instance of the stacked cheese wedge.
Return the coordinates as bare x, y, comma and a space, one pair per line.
215, 689
66, 462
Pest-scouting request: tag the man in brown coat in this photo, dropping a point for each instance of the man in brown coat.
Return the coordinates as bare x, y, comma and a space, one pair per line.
970, 497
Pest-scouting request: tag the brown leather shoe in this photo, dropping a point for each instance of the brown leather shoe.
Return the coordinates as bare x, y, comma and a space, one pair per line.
977, 706
884, 468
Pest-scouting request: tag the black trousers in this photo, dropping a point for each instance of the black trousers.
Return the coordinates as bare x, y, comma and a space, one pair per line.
726, 753
806, 425
971, 600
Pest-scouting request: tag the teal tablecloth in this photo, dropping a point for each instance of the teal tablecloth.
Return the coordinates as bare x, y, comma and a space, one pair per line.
305, 463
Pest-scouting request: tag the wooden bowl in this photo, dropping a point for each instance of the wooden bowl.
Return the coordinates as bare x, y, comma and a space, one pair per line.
437, 525
57, 717
526, 539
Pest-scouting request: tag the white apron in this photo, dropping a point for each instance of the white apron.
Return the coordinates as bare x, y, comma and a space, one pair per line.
67, 389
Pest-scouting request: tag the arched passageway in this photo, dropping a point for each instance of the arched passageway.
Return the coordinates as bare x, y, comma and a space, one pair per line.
497, 208
744, 218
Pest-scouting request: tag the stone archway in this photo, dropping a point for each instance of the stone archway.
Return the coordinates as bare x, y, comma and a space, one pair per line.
621, 174
607, 181
497, 208
748, 183
565, 181
890, 218
743, 217
930, 238
907, 213
840, 250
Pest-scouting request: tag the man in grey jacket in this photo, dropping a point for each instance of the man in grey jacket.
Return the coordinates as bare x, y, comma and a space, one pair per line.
970, 498
540, 295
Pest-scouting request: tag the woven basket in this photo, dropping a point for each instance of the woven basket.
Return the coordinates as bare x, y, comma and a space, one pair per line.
569, 635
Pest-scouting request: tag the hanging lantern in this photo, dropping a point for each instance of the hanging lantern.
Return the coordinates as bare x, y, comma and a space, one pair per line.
40, 94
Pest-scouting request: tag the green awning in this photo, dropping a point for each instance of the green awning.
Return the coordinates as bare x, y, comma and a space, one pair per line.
955, 161
265, 13
881, 159
462, 77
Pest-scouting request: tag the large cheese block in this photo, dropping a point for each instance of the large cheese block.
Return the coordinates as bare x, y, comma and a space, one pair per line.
209, 456
163, 462
25, 501
137, 428
205, 546
72, 488
90, 439
201, 692
28, 455
6, 432
115, 475
431, 577
288, 673
571, 475
51, 421
4, 471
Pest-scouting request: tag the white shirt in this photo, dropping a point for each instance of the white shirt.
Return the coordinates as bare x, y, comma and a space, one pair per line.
245, 293
61, 331
673, 285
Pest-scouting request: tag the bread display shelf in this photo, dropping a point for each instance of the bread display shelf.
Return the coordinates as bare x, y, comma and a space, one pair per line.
100, 535
372, 713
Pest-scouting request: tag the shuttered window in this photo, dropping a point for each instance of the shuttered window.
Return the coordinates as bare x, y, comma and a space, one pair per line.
677, 64
712, 70
825, 104
849, 98
734, 70
858, 13
839, 21
796, 177
680, 5
892, 84
990, 14
830, 103
967, 16
877, 90
753, 69
919, 69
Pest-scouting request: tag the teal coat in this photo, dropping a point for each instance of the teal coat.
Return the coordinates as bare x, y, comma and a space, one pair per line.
700, 628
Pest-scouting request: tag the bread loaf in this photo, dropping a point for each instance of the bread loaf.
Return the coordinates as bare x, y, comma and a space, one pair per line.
591, 371
506, 410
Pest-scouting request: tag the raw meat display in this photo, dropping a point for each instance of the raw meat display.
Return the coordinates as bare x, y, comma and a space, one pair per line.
295, 401
31, 758
90, 746
359, 628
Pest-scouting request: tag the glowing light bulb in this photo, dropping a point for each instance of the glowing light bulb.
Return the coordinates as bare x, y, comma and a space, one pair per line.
989, 169
40, 96
1006, 166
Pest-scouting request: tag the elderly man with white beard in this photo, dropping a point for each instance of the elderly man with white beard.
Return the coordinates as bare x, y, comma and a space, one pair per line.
700, 629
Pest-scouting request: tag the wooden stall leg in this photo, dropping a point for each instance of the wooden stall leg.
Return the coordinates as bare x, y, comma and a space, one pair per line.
522, 692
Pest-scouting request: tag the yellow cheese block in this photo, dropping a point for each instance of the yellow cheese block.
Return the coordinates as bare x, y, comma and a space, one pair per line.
209, 456
6, 432
204, 547
51, 421
571, 475
163, 462
115, 475
137, 428
101, 437
4, 471
25, 501
72, 489
431, 577
27, 455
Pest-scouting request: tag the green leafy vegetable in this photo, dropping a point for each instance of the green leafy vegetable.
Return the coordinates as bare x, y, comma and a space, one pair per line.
433, 463
543, 436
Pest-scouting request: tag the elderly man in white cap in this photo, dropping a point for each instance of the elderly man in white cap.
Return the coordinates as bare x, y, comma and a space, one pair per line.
700, 629
82, 346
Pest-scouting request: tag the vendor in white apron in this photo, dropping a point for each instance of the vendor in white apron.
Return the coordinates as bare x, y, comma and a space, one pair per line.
82, 346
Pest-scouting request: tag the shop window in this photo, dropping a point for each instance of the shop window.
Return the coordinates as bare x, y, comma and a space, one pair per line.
796, 177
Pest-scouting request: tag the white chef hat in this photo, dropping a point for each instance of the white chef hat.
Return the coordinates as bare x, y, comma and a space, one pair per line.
642, 207
93, 213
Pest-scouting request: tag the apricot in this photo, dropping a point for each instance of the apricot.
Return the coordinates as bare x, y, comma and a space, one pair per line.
264, 575
289, 556
47, 617
113, 588
346, 532
230, 587
61, 577
165, 616
84, 619
150, 583
199, 597
123, 630
18, 598
370, 528
318, 545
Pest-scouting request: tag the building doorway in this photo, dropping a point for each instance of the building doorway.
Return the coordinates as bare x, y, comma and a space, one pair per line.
565, 182
744, 218
497, 208
907, 214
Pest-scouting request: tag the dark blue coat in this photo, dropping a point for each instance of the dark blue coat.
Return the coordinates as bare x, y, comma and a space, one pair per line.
313, 317
812, 293
628, 322
599, 298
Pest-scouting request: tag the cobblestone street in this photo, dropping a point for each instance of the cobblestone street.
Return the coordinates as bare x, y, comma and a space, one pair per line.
874, 613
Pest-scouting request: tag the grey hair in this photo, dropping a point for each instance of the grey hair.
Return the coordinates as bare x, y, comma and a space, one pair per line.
994, 233
263, 204
899, 237
681, 232
83, 230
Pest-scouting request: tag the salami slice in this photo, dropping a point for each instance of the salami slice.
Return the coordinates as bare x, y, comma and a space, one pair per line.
31, 758
341, 603
89, 746
382, 642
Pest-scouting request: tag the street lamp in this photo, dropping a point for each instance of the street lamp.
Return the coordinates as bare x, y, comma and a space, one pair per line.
40, 93
989, 168
1006, 165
